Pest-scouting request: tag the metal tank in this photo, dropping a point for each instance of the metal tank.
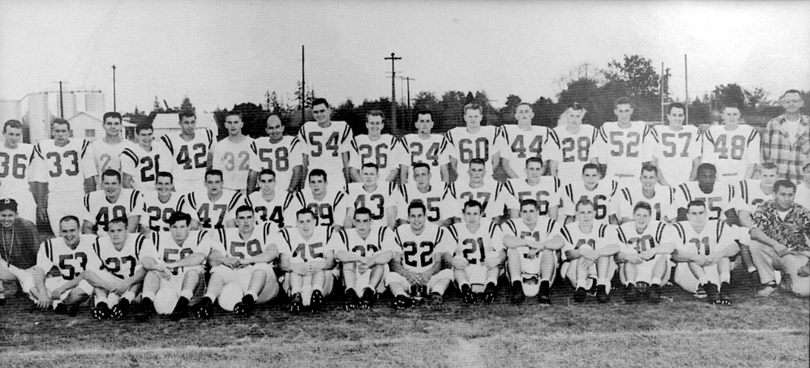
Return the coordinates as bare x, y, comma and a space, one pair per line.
94, 101
39, 117
10, 109
69, 100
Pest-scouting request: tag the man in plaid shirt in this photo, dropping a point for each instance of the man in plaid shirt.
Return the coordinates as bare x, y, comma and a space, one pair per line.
780, 239
786, 141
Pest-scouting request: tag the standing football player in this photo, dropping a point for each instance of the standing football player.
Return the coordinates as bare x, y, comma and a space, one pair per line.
176, 274
141, 163
576, 141
383, 150
478, 256
190, 153
232, 154
660, 198
15, 176
625, 145
678, 154
416, 267
112, 201
646, 246
423, 147
703, 254
424, 189
732, 148
327, 145
269, 205
65, 172
241, 262
215, 207
601, 192
380, 199
329, 206
545, 190
531, 244
277, 152
462, 144
525, 140
106, 151
160, 204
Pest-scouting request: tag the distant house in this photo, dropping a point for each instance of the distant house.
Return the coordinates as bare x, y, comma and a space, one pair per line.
169, 122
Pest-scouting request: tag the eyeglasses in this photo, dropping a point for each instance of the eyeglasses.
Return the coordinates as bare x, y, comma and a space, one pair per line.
791, 101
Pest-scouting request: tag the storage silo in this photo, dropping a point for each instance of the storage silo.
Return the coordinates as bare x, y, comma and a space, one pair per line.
39, 117
10, 109
94, 101
69, 100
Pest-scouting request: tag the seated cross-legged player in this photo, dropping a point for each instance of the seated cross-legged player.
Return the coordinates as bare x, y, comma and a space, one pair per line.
588, 253
120, 277
531, 244
360, 251
241, 262
479, 253
646, 246
416, 267
71, 254
173, 277
703, 254
307, 259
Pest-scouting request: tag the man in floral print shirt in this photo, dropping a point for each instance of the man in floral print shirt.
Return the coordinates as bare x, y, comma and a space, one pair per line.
780, 240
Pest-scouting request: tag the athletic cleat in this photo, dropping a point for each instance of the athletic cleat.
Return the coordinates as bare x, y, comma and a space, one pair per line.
711, 293
316, 301
517, 293
489, 293
101, 311
402, 302
655, 294
580, 294
436, 299
61, 308
120, 310
367, 301
297, 303
204, 309
722, 299
630, 294
180, 309
352, 301
145, 310
601, 294
642, 287
543, 296
467, 295
700, 293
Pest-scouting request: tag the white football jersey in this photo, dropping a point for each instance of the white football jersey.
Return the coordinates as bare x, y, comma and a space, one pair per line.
331, 210
603, 198
418, 250
545, 229
63, 168
750, 193
676, 152
14, 169
437, 209
169, 251
228, 241
464, 146
298, 248
143, 166
189, 159
387, 152
653, 235
720, 200
273, 210
624, 150
424, 150
233, 159
107, 156
599, 237
325, 147
476, 246
576, 150
662, 203
213, 214
378, 238
70, 262
377, 201
714, 237
731, 152
547, 193
491, 195
280, 157
538, 141
156, 213
99, 210
124, 263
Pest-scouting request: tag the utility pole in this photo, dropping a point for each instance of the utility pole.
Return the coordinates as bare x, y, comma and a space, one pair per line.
114, 101
393, 89
661, 91
303, 90
61, 101
408, 84
686, 88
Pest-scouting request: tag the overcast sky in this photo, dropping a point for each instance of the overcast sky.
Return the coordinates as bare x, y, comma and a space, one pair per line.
220, 53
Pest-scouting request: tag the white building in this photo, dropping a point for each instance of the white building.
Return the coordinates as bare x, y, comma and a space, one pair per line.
88, 125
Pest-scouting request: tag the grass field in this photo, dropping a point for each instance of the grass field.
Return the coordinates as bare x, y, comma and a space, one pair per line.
679, 332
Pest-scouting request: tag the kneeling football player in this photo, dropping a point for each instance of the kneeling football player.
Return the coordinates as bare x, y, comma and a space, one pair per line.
531, 244
704, 253
360, 251
416, 266
644, 258
588, 253
479, 254
72, 254
171, 280
241, 262
308, 261
120, 278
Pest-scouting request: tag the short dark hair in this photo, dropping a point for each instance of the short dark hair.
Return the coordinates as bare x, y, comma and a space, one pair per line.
796, 91
417, 205
473, 203
12, 124
478, 161
70, 218
574, 106
650, 167
590, 166
234, 113
319, 101
118, 220
707, 166
372, 165
770, 166
422, 165
179, 216
60, 121
784, 183
622, 101
642, 205
244, 208
214, 172
165, 174
375, 112
143, 126
362, 211
731, 105
317, 172
528, 202
584, 201
696, 202
267, 172
111, 114
473, 106
423, 112
186, 114
111, 172
534, 159
304, 211
675, 105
